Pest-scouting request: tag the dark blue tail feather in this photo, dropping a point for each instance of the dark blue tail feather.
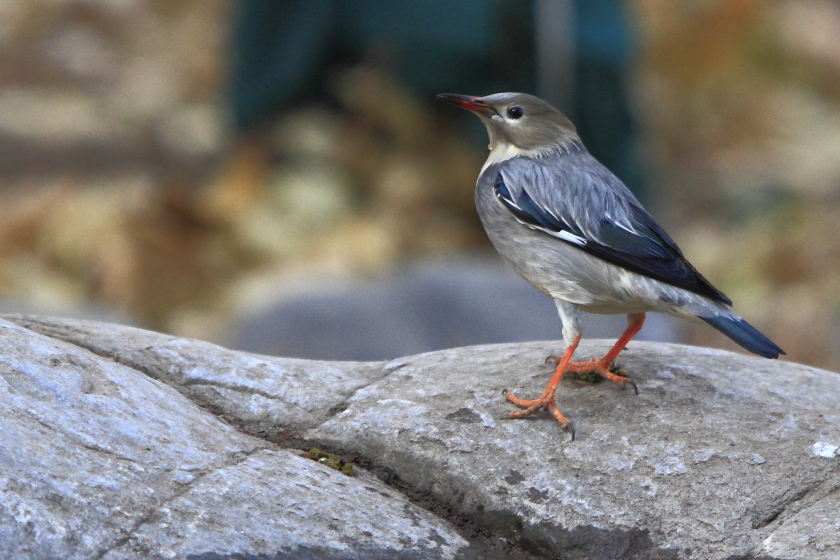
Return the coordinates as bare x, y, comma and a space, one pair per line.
746, 335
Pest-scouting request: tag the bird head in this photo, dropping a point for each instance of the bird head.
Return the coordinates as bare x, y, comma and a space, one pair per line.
518, 120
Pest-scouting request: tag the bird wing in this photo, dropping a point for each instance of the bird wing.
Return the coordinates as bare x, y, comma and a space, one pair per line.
572, 197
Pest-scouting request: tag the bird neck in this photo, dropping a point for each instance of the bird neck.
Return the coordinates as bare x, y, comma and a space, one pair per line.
503, 151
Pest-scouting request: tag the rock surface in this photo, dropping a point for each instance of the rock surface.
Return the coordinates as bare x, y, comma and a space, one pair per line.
720, 456
263, 393
715, 455
100, 461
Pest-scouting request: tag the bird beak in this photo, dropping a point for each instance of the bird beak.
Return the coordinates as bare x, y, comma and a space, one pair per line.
468, 102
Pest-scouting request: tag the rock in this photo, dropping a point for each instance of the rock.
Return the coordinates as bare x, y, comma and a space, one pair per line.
262, 393
714, 457
720, 456
101, 461
813, 533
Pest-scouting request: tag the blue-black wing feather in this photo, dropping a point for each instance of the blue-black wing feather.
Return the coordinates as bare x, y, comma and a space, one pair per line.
578, 201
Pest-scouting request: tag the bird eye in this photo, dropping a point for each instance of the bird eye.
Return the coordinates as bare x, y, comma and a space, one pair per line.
515, 112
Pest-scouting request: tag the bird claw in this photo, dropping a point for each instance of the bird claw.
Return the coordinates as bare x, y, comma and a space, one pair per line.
518, 414
628, 381
622, 373
552, 359
545, 402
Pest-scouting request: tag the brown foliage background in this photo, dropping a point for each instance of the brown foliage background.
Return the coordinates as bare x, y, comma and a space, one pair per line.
122, 189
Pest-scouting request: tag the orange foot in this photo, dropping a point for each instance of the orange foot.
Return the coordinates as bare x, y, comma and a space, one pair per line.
603, 367
546, 400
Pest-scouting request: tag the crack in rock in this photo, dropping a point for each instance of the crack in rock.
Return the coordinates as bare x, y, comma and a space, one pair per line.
797, 501
388, 368
243, 456
73, 438
232, 387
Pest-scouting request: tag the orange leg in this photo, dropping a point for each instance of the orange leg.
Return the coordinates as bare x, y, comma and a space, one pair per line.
602, 367
546, 400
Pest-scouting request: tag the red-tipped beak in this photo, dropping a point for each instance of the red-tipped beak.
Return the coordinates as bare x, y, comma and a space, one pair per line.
468, 102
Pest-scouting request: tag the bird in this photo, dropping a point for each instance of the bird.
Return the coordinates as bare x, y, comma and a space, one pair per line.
573, 230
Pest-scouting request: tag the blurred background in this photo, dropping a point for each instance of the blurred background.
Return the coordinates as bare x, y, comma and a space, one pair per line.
276, 176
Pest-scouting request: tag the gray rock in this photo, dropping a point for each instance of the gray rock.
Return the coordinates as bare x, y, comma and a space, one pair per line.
720, 456
276, 504
813, 532
101, 461
264, 394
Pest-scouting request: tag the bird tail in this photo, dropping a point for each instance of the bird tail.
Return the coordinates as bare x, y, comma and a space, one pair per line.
745, 334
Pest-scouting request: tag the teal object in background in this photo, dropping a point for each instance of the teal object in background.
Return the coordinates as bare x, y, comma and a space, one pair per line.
284, 51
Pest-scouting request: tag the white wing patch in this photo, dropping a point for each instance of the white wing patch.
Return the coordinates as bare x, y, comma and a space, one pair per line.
570, 237
564, 235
